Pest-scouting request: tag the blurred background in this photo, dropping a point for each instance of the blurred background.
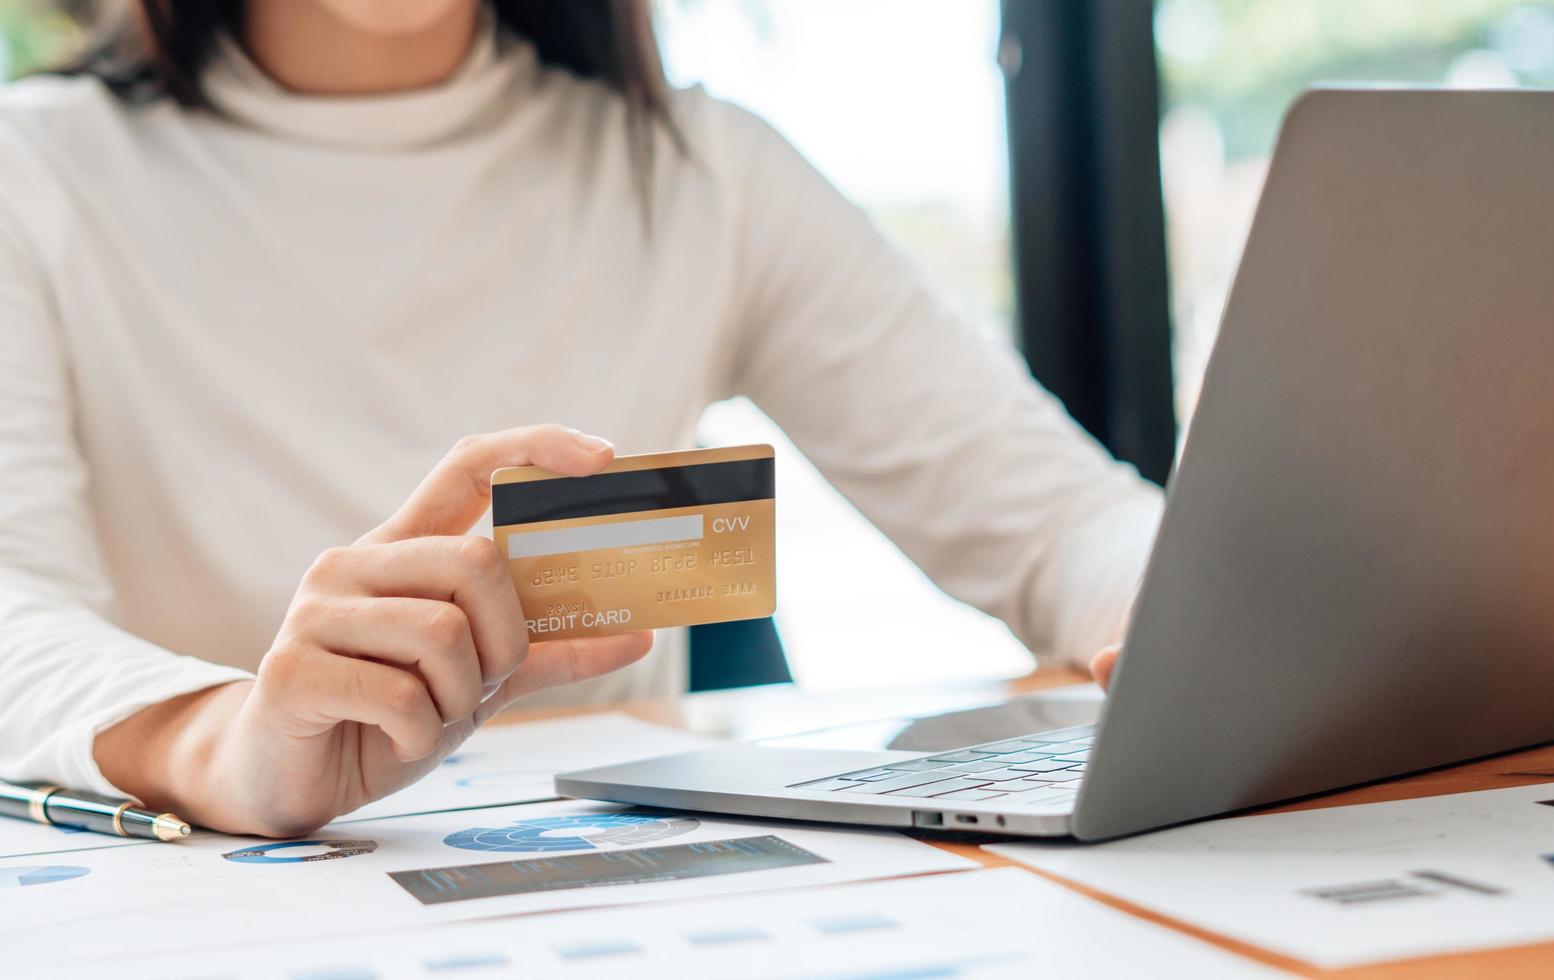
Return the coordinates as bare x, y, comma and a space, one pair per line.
1076, 176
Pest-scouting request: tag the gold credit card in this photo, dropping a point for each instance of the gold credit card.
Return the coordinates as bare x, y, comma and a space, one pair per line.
651, 541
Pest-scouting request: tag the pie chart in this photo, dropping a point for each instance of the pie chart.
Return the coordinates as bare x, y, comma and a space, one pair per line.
39, 874
301, 851
579, 832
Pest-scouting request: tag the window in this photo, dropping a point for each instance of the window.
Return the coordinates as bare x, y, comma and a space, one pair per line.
1231, 67
930, 167
34, 33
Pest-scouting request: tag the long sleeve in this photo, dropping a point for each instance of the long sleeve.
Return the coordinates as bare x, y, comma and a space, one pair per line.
939, 437
66, 672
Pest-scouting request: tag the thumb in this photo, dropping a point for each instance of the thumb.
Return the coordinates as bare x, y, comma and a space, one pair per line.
458, 489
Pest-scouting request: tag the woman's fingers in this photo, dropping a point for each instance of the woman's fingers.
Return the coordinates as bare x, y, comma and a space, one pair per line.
557, 662
322, 689
456, 491
431, 638
409, 627
1103, 663
466, 571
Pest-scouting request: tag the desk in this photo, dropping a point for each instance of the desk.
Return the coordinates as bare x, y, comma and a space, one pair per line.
766, 712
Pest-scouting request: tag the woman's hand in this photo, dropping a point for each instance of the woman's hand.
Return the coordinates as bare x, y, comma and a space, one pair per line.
393, 651
1103, 663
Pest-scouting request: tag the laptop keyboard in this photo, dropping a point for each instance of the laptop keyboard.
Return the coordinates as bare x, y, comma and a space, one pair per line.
1037, 770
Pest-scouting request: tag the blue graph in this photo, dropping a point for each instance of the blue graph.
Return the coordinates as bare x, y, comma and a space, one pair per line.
39, 874
581, 832
274, 853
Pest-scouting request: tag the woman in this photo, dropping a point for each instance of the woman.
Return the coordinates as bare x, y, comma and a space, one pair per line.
262, 262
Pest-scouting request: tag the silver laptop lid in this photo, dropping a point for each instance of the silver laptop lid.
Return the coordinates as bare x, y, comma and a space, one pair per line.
1355, 573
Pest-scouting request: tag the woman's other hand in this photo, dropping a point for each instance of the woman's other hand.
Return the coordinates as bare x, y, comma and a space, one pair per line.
1103, 663
392, 652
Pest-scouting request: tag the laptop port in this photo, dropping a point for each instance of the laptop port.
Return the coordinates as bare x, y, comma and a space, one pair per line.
925, 818
965, 818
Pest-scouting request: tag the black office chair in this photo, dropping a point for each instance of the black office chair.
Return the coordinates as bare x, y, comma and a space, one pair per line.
742, 654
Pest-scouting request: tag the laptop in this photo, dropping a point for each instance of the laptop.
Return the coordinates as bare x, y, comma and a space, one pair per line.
1354, 576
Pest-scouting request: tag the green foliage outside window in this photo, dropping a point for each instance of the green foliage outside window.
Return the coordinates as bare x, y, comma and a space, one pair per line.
35, 34
1244, 60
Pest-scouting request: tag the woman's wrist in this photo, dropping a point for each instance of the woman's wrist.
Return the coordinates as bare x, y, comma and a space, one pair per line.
166, 754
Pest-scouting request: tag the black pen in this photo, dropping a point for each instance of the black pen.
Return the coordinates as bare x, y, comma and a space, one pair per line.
42, 803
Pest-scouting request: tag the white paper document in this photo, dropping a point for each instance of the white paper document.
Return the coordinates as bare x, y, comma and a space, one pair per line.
1343, 885
978, 924
502, 764
409, 871
22, 837
499, 764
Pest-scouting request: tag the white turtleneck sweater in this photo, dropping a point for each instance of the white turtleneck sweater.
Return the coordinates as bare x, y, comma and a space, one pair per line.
230, 340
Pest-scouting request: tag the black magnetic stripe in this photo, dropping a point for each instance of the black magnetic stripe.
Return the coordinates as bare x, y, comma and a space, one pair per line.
699, 485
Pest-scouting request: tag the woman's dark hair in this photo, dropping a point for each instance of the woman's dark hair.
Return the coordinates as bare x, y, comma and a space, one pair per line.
160, 48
